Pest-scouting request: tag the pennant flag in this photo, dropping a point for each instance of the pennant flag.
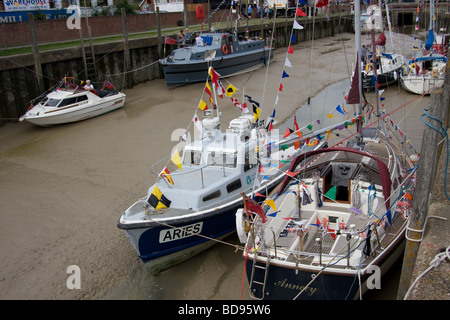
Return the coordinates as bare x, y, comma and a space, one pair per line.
330, 115
230, 90
290, 49
299, 133
297, 25
260, 195
296, 145
176, 159
300, 13
214, 76
166, 174
285, 75
256, 109
309, 126
292, 174
273, 214
203, 106
208, 91
321, 3
254, 207
197, 123
287, 63
281, 87
220, 89
260, 169
287, 132
295, 123
256, 112
358, 211
157, 200
329, 134
331, 194
389, 216
170, 40
339, 109
271, 204
293, 38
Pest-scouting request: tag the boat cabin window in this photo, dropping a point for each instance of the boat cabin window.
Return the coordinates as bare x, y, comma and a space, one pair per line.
51, 102
235, 185
221, 159
212, 196
193, 157
82, 98
67, 101
337, 181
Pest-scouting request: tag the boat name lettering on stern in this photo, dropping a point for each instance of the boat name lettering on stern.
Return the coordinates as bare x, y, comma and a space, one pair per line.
284, 284
180, 232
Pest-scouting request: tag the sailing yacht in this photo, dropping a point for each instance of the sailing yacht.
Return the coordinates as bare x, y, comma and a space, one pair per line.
337, 222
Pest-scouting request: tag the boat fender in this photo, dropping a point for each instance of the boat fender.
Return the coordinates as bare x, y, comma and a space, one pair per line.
225, 49
240, 225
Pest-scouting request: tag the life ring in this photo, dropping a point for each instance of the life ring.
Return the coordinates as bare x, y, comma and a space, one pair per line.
240, 225
225, 49
369, 67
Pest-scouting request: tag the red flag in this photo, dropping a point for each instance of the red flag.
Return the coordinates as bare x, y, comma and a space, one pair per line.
290, 50
214, 77
253, 207
295, 123
281, 87
287, 132
166, 174
170, 40
300, 13
321, 3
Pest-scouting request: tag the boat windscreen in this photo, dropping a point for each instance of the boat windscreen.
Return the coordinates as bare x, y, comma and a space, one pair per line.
52, 102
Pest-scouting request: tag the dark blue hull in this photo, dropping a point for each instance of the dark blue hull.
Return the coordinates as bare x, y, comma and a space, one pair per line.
286, 284
177, 74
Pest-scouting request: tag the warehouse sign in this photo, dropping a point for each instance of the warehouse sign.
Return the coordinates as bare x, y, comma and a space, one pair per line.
20, 5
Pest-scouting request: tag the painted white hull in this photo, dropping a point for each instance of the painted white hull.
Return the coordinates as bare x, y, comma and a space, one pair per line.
421, 85
73, 114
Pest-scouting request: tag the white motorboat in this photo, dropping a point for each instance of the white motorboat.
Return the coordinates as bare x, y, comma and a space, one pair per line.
67, 102
198, 189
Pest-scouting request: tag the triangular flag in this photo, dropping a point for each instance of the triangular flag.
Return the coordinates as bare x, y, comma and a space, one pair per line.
285, 75
290, 50
208, 91
281, 87
299, 133
295, 123
293, 38
339, 109
287, 132
331, 194
330, 115
203, 106
166, 174
176, 159
288, 63
271, 204
197, 123
297, 26
309, 126
273, 214
230, 90
300, 13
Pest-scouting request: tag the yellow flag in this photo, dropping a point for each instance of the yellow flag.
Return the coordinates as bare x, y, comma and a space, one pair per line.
176, 159
230, 90
271, 204
330, 115
203, 106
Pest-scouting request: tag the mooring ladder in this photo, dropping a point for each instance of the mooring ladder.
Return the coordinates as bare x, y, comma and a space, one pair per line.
254, 282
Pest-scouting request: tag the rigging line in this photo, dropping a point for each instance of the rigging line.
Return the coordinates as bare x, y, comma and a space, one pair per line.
236, 246
121, 73
268, 60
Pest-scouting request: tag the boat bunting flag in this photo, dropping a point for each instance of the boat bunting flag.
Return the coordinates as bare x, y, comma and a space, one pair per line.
253, 207
165, 173
256, 109
157, 200
203, 106
230, 90
297, 26
176, 159
214, 77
